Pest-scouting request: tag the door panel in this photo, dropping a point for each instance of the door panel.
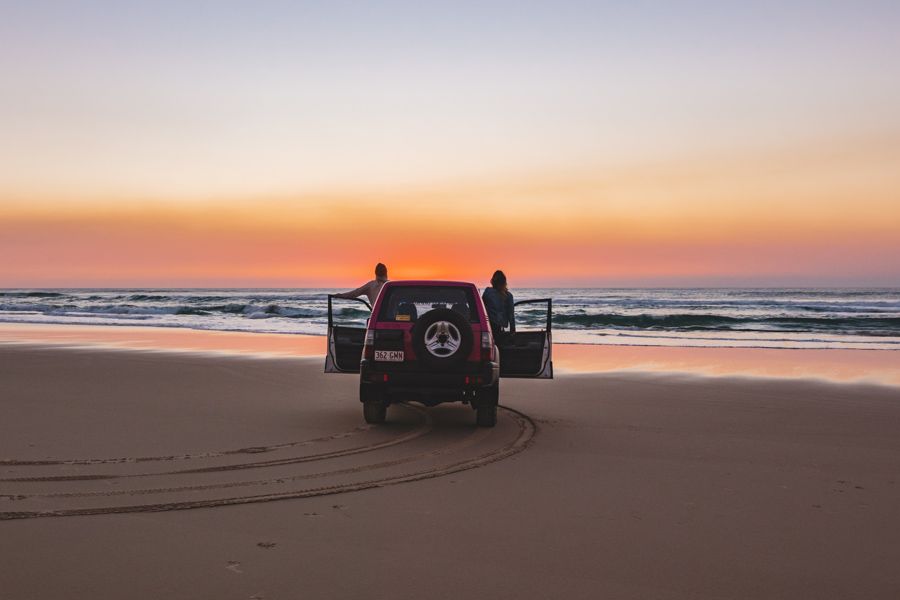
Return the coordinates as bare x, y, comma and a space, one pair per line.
345, 342
529, 352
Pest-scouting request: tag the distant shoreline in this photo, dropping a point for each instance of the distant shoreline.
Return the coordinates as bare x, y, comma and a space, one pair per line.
555, 342
834, 365
786, 318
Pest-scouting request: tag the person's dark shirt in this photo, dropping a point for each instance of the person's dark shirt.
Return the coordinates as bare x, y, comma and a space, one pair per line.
501, 311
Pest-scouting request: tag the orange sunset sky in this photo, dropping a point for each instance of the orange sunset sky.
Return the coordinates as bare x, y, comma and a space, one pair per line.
274, 144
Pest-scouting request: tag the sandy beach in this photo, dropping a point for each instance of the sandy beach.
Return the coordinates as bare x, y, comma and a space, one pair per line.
449, 301
180, 475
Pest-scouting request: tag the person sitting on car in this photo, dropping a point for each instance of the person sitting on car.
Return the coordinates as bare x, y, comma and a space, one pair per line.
498, 301
371, 289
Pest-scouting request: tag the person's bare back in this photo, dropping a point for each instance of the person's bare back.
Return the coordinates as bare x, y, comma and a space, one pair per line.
370, 289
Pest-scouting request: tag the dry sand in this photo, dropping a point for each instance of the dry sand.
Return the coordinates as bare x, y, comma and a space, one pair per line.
633, 486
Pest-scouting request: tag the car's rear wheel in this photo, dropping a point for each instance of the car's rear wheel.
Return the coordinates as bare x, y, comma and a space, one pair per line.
486, 415
373, 401
486, 401
488, 395
374, 412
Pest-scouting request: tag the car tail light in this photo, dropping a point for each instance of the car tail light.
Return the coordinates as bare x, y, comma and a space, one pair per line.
369, 344
487, 346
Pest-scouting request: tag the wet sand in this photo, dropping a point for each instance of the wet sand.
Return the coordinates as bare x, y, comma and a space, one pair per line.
858, 366
621, 485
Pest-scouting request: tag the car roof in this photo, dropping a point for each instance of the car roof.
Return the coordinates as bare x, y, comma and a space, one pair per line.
427, 283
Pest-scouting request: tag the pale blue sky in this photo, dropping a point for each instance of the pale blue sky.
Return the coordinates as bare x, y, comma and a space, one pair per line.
203, 98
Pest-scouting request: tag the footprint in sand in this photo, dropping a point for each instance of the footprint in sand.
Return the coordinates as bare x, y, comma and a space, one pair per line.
234, 566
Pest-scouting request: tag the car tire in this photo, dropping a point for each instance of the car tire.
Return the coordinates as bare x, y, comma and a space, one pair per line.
374, 412
486, 415
488, 395
370, 391
422, 329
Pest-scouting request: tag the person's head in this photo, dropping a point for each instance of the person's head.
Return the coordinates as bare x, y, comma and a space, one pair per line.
498, 281
380, 271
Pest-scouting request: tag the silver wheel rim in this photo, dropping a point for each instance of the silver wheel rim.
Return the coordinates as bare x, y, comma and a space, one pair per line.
442, 339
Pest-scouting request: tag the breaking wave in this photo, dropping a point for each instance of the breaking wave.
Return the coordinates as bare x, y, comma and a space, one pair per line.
690, 322
771, 318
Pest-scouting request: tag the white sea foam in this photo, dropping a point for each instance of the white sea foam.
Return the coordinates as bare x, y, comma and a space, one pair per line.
772, 318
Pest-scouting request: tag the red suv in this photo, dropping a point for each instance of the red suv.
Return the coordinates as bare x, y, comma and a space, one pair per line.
430, 341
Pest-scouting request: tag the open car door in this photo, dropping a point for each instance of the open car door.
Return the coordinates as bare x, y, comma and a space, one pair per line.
345, 342
529, 352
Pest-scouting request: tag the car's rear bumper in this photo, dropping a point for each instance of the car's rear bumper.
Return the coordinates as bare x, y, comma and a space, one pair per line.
469, 376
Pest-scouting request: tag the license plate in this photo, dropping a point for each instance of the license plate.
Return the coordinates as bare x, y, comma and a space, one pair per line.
389, 355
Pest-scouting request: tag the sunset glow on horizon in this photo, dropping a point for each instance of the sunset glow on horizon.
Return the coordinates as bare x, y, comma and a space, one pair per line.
225, 145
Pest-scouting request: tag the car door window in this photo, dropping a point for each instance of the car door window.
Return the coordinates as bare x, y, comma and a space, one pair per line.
346, 334
529, 351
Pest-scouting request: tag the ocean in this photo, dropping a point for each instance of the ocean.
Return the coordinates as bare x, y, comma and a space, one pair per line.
763, 318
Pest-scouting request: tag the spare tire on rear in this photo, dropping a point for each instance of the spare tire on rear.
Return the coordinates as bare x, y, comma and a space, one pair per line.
442, 338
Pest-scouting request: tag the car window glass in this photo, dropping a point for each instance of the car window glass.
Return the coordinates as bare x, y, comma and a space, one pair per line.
408, 304
346, 312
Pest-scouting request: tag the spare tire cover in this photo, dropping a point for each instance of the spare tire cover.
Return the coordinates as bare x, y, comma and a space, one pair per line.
442, 338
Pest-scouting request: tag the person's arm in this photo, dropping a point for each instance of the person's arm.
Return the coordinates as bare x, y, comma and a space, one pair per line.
512, 313
355, 293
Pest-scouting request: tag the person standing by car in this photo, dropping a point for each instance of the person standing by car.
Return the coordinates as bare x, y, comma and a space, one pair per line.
370, 289
498, 301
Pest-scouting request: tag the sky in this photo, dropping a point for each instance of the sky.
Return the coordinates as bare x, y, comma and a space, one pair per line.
291, 144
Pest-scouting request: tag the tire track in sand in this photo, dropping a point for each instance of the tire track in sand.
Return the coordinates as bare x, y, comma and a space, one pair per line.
524, 435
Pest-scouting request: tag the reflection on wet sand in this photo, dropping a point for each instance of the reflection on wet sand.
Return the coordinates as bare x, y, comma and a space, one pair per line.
158, 338
875, 366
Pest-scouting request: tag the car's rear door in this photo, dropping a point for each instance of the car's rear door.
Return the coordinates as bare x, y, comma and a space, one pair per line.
345, 334
529, 351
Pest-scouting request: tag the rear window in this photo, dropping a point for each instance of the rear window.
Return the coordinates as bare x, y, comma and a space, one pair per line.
407, 304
